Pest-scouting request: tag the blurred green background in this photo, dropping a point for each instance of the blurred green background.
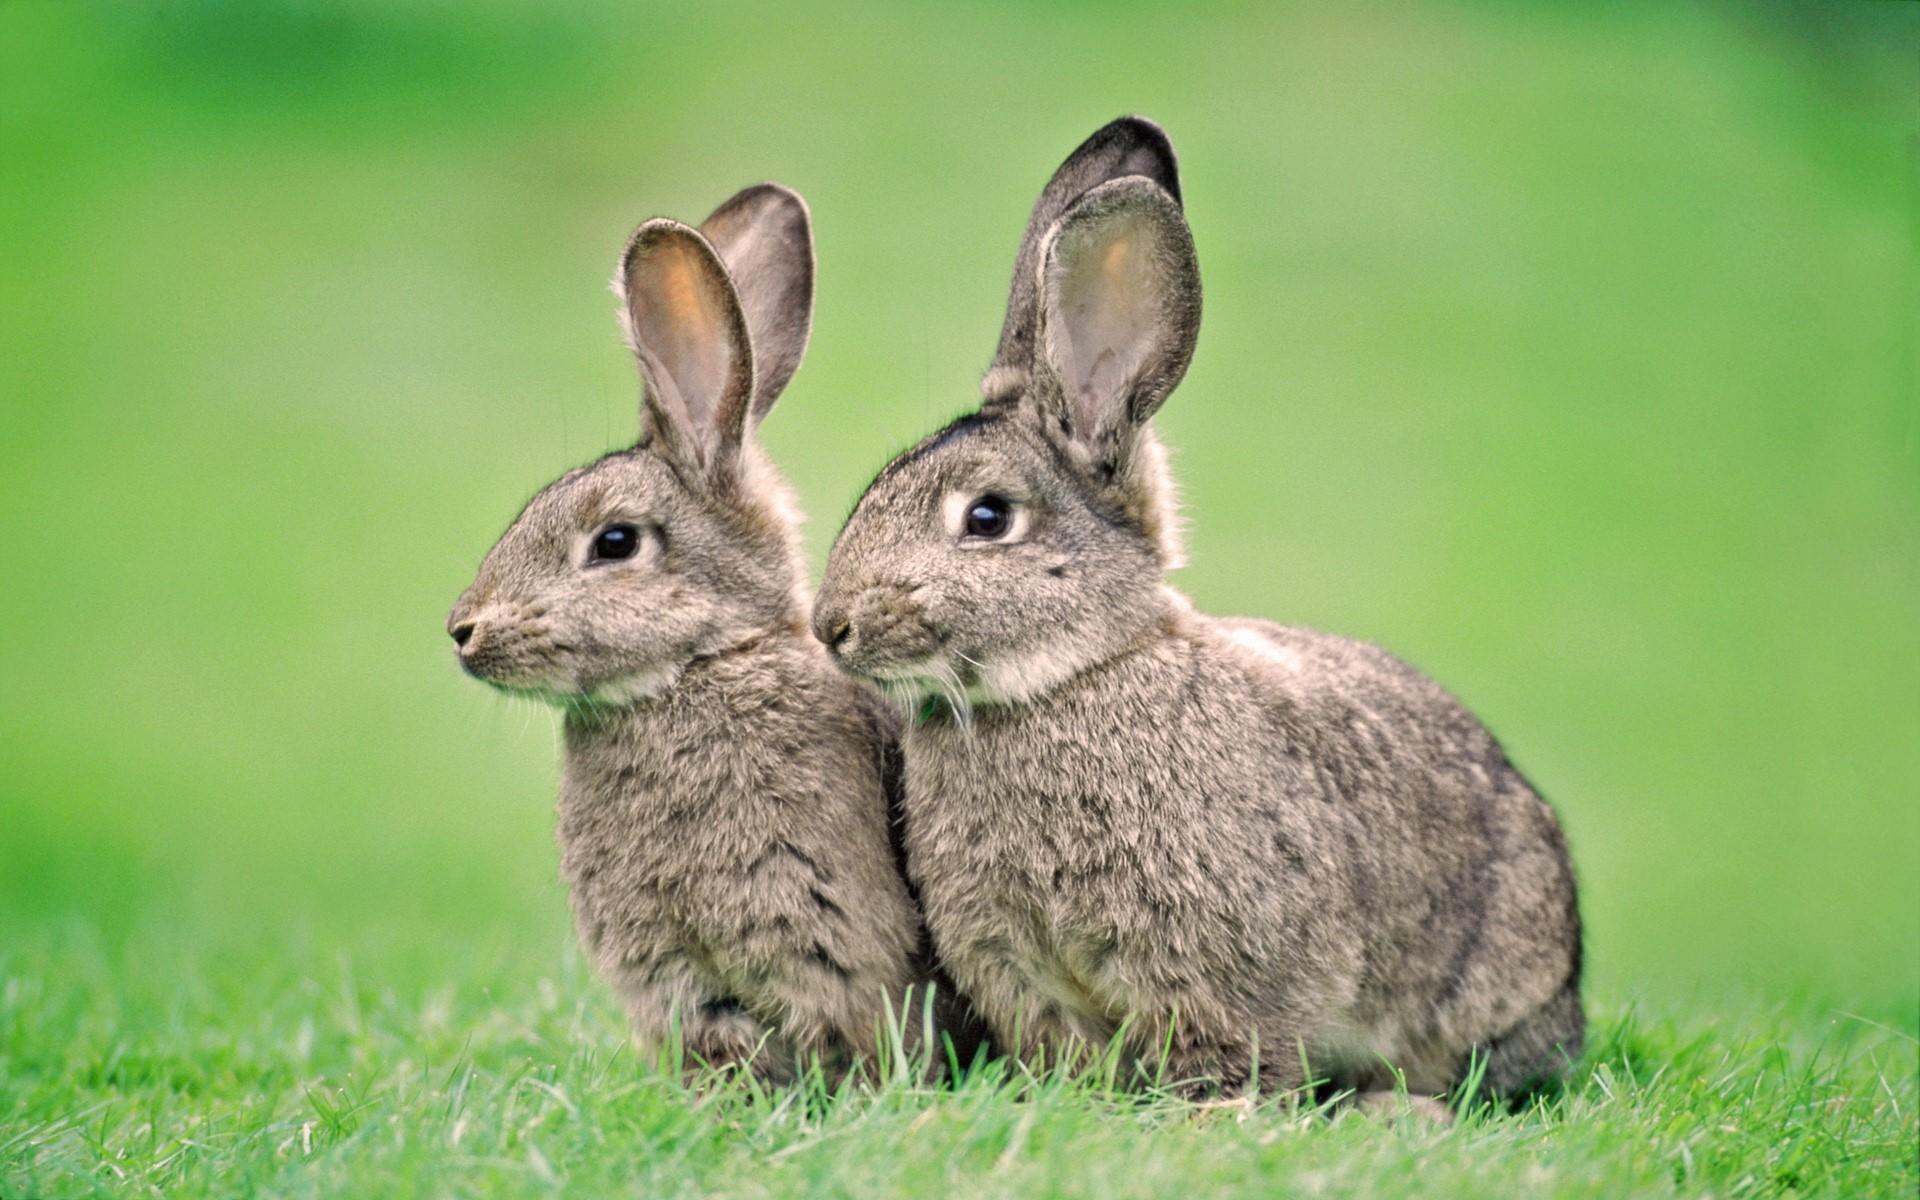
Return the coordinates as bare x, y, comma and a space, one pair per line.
1569, 352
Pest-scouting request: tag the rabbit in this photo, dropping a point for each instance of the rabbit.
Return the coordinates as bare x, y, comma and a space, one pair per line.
1262, 856
725, 816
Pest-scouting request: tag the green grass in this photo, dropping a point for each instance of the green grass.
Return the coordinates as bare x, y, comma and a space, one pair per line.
1568, 351
285, 1082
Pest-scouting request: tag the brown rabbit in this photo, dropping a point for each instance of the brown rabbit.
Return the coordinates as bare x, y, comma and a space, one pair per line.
724, 817
1237, 841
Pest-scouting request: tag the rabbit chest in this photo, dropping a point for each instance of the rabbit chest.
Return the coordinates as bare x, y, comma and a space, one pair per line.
730, 851
651, 852
1107, 843
727, 826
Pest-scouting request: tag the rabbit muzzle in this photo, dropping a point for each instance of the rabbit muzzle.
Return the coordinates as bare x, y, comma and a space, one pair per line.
508, 645
879, 631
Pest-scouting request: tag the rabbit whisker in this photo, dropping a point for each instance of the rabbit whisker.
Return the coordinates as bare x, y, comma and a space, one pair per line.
956, 695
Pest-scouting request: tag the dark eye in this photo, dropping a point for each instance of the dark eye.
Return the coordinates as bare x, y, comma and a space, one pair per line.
615, 542
989, 517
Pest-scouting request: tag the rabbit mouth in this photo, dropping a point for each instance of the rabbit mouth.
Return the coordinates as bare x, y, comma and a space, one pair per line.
882, 635
557, 697
890, 649
904, 656
529, 671
933, 678
891, 644
511, 660
618, 691
515, 679
933, 670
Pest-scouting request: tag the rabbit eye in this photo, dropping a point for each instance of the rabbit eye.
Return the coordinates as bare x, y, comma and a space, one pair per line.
989, 517
615, 542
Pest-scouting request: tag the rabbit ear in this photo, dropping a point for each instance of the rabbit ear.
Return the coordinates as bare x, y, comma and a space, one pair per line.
1119, 311
685, 325
765, 237
1128, 146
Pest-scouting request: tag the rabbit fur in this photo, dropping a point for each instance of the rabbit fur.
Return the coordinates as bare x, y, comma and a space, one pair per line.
1242, 847
725, 817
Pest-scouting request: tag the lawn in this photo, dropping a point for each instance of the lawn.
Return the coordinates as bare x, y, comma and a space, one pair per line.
299, 1078
1569, 352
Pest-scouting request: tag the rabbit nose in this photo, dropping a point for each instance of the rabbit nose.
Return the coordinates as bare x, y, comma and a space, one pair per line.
462, 632
832, 626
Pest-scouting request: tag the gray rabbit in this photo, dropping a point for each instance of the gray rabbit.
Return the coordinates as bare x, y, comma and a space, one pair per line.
1238, 841
724, 817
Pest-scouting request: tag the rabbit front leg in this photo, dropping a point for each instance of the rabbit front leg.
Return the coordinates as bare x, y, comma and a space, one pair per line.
829, 1017
843, 1026
715, 1030
837, 998
1022, 1020
720, 1032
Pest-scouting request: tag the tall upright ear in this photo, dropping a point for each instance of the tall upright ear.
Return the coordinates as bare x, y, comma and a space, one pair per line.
684, 323
1127, 146
764, 235
1119, 312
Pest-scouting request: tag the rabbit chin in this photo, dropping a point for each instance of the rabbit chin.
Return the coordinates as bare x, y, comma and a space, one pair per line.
633, 687
1008, 680
620, 691
1018, 679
